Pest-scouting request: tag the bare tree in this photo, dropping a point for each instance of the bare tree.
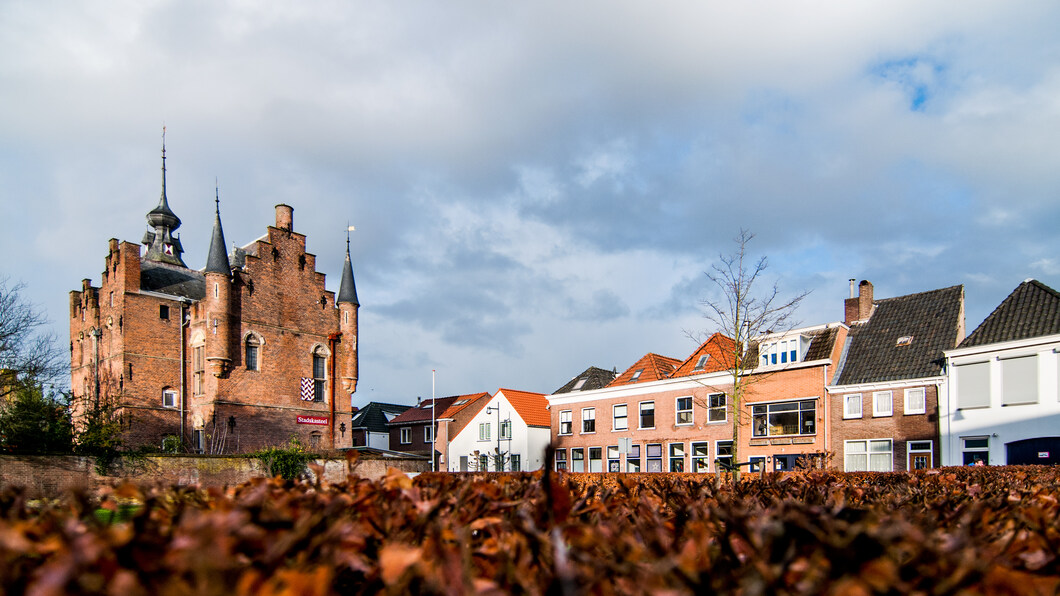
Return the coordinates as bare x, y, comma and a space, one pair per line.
28, 355
744, 312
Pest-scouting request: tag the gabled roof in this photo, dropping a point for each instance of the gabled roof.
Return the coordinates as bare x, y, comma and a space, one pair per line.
652, 367
904, 338
422, 412
464, 402
373, 417
719, 351
1031, 310
532, 407
592, 378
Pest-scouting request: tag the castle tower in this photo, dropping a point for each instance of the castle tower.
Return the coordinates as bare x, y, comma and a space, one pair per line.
162, 244
348, 306
218, 301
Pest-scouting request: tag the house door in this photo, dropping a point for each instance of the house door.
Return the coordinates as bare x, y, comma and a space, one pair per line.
1041, 451
463, 463
919, 461
785, 463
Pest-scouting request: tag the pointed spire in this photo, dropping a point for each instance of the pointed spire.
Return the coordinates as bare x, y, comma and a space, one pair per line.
162, 244
347, 288
217, 260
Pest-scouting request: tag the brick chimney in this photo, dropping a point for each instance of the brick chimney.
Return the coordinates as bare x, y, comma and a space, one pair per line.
285, 217
859, 307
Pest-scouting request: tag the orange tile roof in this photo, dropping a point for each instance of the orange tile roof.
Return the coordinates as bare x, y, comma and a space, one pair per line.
532, 407
469, 400
653, 367
720, 351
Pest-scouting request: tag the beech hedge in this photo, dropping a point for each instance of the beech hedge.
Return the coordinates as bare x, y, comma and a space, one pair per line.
945, 531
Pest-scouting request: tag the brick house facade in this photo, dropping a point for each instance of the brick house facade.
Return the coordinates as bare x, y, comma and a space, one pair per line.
265, 352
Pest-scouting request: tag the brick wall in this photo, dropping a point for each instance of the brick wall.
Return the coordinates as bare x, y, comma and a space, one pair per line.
899, 426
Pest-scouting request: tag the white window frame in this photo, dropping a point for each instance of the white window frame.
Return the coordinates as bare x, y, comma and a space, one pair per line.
678, 411
173, 395
848, 401
672, 458
701, 459
727, 443
405, 435
909, 394
624, 417
866, 448
577, 462
712, 409
588, 420
561, 460
428, 434
965, 449
882, 404
483, 431
596, 464
566, 417
505, 430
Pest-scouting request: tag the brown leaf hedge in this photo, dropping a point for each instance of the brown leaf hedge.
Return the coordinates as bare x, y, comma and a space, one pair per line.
983, 530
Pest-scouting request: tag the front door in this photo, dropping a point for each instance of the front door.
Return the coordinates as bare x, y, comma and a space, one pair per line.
919, 461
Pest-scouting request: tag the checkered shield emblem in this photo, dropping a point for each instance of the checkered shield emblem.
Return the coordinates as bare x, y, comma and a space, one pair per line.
307, 389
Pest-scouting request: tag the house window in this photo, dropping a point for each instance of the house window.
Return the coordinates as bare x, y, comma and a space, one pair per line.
973, 385
724, 451
318, 374
620, 417
976, 449
872, 455
483, 431
784, 418
758, 463
577, 459
700, 463
561, 460
716, 410
702, 362
633, 459
654, 453
566, 422
684, 411
614, 464
169, 398
1019, 381
589, 420
405, 435
428, 434
915, 401
852, 405
677, 457
780, 352
198, 370
920, 454
636, 375
596, 459
516, 463
251, 349
882, 403
506, 429
163, 312
647, 414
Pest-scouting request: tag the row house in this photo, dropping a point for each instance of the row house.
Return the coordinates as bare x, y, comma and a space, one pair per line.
425, 428
865, 390
1003, 400
508, 432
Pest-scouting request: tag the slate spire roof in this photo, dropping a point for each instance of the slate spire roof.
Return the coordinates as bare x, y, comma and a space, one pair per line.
217, 260
904, 338
1031, 310
162, 245
347, 288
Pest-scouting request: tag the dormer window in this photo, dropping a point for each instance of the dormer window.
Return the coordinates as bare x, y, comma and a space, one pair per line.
702, 362
636, 374
784, 351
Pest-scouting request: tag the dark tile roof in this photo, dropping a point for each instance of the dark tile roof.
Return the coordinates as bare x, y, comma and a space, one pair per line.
373, 417
931, 319
653, 367
172, 279
595, 378
422, 413
1031, 310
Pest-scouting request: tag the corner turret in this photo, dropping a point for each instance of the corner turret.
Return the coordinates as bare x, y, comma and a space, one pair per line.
348, 307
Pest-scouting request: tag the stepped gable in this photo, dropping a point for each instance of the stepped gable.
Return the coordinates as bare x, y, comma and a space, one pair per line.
1031, 310
904, 337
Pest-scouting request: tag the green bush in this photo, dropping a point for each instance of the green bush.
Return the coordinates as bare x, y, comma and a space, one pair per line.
288, 462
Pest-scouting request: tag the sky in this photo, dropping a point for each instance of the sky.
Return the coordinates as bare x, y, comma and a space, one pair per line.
540, 187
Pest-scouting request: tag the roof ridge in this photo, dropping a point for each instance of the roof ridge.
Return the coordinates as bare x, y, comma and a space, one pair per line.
915, 294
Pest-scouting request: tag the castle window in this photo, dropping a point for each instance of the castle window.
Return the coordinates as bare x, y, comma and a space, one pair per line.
318, 374
253, 347
163, 311
198, 370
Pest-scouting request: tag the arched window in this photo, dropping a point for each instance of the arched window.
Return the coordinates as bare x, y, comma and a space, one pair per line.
319, 372
252, 352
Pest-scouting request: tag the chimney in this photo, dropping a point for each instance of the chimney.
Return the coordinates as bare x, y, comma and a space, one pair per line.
285, 217
859, 308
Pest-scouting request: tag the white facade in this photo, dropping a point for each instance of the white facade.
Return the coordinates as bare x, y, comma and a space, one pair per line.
1000, 394
524, 445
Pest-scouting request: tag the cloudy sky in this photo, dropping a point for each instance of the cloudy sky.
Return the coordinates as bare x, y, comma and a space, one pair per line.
539, 187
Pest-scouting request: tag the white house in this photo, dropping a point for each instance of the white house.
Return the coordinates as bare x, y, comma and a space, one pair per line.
1003, 403
510, 433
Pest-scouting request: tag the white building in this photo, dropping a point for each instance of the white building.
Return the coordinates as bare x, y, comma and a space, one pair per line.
1003, 403
510, 433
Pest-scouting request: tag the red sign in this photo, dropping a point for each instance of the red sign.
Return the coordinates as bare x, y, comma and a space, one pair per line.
318, 420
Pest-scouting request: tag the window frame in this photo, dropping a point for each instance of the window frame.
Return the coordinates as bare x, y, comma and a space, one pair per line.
882, 404
798, 411
654, 461
505, 430
484, 433
252, 345
907, 407
319, 356
848, 400
700, 458
633, 459
849, 452
428, 434
405, 435
579, 461
595, 459
569, 422
641, 415
588, 421
169, 391
615, 417
712, 409
720, 446
561, 460
678, 411
675, 458
969, 454
198, 369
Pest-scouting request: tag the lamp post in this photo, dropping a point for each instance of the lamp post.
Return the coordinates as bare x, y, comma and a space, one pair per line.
434, 429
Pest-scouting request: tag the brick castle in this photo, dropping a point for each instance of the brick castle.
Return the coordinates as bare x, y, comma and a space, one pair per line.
247, 352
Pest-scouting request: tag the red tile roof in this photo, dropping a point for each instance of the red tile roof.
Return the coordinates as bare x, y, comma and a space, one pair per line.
720, 351
422, 412
653, 367
469, 400
532, 407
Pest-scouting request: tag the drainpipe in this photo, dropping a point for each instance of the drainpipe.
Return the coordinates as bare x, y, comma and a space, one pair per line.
827, 409
333, 339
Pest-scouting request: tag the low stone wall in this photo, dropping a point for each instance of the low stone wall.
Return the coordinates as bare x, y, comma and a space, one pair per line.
44, 475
